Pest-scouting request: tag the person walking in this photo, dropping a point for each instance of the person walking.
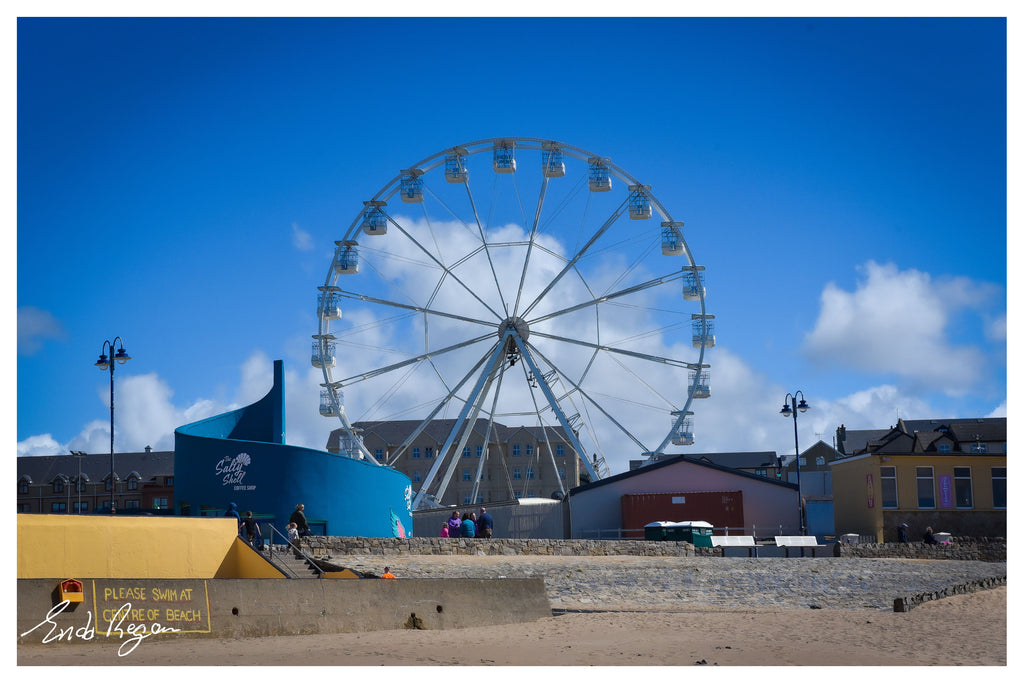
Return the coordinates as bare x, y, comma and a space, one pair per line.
293, 539
485, 524
298, 518
901, 533
252, 531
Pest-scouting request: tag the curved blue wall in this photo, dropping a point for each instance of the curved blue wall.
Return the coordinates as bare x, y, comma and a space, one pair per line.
241, 457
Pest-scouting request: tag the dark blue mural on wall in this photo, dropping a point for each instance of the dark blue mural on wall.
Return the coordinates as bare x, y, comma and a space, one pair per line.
241, 457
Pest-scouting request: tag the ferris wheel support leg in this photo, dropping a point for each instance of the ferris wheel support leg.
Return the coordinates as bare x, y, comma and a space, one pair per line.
550, 396
496, 356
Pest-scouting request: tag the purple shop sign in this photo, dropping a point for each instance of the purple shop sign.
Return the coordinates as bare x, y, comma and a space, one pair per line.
945, 491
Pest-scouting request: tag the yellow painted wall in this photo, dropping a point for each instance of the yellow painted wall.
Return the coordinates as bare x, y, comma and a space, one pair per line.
97, 546
850, 497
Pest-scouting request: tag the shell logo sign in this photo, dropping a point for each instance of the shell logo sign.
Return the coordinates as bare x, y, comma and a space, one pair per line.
232, 471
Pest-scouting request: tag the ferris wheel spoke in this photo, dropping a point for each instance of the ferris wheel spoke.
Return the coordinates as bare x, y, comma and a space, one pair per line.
611, 349
578, 255
487, 250
409, 361
437, 409
417, 309
611, 296
469, 290
592, 400
533, 238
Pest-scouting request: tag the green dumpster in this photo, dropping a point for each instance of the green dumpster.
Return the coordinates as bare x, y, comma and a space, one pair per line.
697, 533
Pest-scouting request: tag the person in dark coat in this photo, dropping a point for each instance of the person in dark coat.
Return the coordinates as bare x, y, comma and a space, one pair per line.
233, 512
484, 524
298, 518
929, 537
901, 533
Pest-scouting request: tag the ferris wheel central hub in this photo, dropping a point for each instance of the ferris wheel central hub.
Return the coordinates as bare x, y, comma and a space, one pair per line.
517, 324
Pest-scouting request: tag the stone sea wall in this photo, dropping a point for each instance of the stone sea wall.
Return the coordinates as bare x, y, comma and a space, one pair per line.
983, 549
349, 545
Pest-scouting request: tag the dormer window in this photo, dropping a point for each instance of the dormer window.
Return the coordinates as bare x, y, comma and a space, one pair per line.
944, 448
133, 483
58, 485
23, 486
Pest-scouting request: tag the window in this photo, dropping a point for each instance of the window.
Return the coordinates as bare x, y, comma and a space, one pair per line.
133, 484
416, 476
81, 507
999, 487
58, 507
890, 498
158, 503
24, 507
467, 498
517, 473
428, 452
979, 448
803, 462
560, 449
529, 450
168, 481
561, 473
479, 451
465, 451
466, 476
761, 471
132, 505
107, 484
22, 486
925, 488
517, 450
58, 485
962, 487
529, 473
416, 452
820, 460
944, 448
378, 454
80, 485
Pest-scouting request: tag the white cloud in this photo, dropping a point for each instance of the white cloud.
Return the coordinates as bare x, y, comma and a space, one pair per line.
44, 444
896, 322
35, 326
998, 411
301, 239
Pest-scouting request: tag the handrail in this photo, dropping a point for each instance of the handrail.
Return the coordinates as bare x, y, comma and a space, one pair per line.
291, 548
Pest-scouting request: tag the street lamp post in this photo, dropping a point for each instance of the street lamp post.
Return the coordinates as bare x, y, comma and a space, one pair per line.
103, 363
791, 407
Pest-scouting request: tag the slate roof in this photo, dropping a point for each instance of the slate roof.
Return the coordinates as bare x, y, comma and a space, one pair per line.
742, 460
924, 436
43, 469
675, 460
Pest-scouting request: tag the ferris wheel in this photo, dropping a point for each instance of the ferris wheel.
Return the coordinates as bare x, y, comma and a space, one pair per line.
520, 281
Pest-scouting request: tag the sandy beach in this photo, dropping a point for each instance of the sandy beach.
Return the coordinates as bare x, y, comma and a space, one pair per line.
961, 630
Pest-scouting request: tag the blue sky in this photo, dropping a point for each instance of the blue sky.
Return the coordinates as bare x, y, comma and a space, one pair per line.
181, 183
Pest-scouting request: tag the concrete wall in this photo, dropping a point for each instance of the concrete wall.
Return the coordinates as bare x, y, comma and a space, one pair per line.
97, 546
227, 608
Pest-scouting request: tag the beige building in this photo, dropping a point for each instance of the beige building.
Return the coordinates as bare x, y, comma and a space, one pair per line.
946, 474
518, 462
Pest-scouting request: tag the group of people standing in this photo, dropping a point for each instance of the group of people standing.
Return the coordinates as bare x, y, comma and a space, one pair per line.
469, 525
249, 528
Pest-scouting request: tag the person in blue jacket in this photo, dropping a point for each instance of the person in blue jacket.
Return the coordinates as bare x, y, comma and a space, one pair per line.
233, 512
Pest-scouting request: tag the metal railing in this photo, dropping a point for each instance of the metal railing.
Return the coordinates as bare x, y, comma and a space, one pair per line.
289, 548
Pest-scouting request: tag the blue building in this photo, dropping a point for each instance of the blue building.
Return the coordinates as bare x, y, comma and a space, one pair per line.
241, 457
